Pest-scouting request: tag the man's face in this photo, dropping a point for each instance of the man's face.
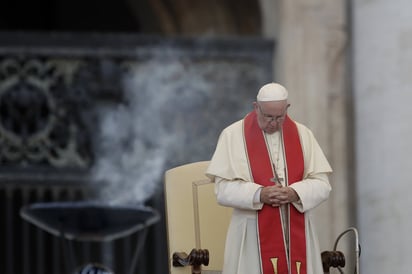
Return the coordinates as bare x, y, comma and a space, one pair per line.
271, 115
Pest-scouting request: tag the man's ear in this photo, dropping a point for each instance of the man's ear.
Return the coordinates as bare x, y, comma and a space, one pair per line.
255, 105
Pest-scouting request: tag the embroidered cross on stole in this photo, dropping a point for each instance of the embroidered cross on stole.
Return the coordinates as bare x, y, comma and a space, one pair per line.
275, 258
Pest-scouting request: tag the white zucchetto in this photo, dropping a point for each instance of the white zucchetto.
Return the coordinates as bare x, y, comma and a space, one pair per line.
272, 92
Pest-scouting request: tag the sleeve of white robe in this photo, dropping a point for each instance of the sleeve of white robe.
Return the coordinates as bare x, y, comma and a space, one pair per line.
237, 193
314, 188
312, 192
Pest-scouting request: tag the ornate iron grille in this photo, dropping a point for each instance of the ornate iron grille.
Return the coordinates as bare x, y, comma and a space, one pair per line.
39, 117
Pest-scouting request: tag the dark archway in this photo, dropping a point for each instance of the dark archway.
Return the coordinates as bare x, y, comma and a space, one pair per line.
164, 17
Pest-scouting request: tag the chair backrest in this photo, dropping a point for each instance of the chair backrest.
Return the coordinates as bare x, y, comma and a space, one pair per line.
193, 217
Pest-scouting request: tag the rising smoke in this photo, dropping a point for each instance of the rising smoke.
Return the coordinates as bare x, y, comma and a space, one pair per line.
137, 138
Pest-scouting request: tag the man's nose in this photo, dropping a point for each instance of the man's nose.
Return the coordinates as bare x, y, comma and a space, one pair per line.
273, 121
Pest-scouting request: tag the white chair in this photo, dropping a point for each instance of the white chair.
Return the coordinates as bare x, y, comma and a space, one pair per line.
196, 224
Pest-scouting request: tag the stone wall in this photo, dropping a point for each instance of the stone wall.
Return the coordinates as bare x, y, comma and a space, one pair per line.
382, 83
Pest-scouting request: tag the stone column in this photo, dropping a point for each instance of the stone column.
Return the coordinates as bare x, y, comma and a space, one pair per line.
382, 83
311, 54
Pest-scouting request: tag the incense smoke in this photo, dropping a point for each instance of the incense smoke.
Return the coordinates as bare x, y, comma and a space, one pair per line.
136, 138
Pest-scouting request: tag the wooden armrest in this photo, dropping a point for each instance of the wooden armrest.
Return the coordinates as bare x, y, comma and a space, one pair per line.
196, 258
332, 259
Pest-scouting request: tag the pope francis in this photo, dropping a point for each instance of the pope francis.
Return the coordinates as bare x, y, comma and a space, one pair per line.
271, 170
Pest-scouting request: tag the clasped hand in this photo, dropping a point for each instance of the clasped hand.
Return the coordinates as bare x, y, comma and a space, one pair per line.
278, 195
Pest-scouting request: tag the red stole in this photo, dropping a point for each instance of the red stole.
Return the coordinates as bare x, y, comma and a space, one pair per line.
272, 241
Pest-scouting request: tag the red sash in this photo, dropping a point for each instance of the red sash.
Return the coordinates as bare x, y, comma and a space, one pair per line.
272, 241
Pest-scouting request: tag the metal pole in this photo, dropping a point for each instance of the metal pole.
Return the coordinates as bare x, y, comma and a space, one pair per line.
357, 246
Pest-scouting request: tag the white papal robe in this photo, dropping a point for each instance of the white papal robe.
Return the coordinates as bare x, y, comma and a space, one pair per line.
234, 187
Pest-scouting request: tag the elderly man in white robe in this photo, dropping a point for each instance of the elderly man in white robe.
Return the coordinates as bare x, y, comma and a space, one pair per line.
273, 173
